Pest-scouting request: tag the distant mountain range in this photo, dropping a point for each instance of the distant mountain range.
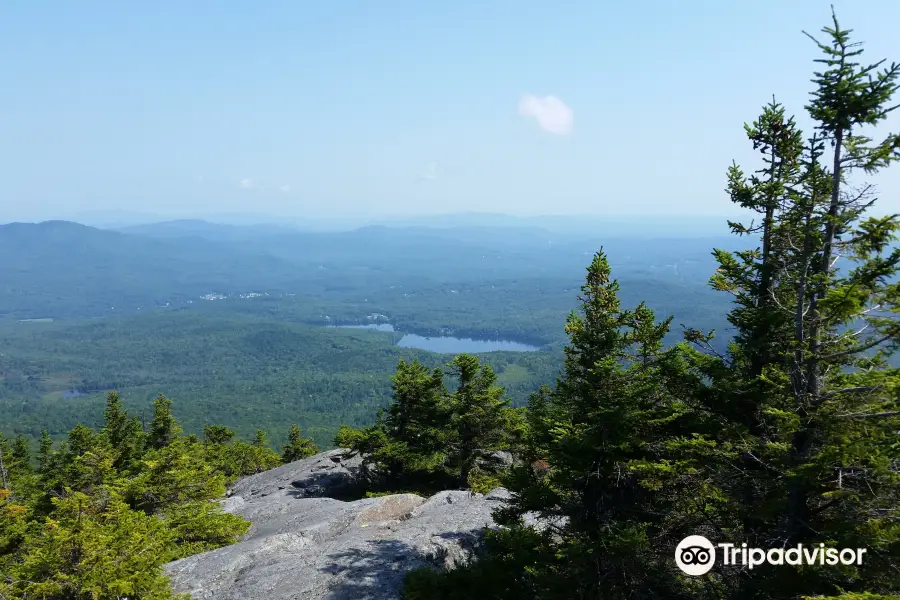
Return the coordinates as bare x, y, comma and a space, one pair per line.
641, 226
61, 268
204, 229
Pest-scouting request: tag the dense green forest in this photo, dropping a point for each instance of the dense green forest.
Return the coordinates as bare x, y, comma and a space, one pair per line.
627, 443
253, 362
242, 371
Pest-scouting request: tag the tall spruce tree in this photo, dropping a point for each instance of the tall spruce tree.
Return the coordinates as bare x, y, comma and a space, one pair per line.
624, 478
477, 415
816, 406
123, 432
45, 453
163, 428
407, 444
418, 410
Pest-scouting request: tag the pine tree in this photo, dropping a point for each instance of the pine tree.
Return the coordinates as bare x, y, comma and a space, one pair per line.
817, 413
21, 455
477, 415
86, 463
45, 453
415, 420
406, 447
297, 447
123, 432
94, 547
217, 434
428, 438
624, 451
163, 427
83, 527
260, 440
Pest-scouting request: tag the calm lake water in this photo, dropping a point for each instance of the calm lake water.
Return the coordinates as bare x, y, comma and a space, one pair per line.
448, 344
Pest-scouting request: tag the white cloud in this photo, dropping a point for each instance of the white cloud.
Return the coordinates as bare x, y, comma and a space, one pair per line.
247, 184
551, 113
285, 188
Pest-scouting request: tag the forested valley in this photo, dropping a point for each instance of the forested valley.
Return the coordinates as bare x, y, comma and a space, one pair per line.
627, 431
143, 316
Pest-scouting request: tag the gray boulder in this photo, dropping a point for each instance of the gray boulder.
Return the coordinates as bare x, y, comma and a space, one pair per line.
303, 545
329, 474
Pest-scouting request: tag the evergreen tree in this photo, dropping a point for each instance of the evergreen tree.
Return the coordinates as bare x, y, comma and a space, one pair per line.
428, 438
247, 459
752, 276
173, 475
816, 413
625, 478
163, 427
87, 463
45, 453
14, 524
234, 458
415, 422
418, 406
624, 473
94, 548
297, 447
405, 448
116, 418
124, 433
21, 455
87, 527
260, 440
81, 439
258, 453
477, 416
217, 434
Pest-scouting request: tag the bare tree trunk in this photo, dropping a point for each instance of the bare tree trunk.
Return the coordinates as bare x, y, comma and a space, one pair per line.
813, 381
801, 443
2, 471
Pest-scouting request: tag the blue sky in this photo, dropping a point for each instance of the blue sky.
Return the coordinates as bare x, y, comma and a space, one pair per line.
399, 107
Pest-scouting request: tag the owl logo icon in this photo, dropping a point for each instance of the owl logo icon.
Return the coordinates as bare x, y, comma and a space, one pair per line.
695, 555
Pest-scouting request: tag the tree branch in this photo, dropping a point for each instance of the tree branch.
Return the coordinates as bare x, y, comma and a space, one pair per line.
881, 415
853, 390
861, 347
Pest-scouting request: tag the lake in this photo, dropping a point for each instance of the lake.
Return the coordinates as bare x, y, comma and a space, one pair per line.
447, 344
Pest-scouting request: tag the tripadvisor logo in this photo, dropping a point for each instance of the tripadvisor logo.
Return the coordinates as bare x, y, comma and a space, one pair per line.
696, 555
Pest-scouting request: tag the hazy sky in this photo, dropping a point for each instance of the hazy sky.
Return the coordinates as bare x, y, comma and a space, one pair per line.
185, 107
